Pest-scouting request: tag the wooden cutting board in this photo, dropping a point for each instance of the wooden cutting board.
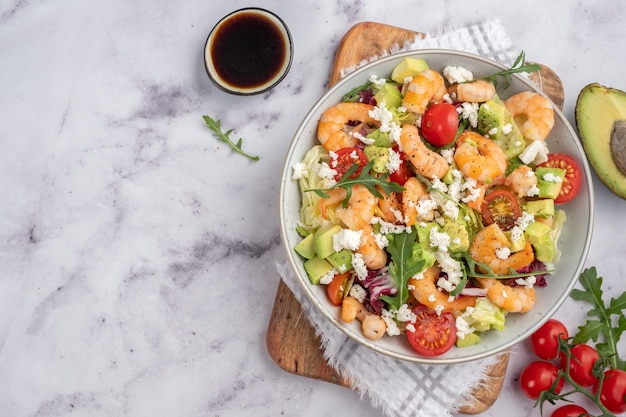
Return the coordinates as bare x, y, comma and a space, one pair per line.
291, 340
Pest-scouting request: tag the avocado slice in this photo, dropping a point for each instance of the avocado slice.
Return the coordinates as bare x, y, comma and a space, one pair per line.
408, 67
598, 108
495, 121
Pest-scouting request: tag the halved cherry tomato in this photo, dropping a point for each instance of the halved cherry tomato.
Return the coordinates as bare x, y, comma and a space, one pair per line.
434, 334
613, 392
573, 175
336, 289
539, 376
545, 341
500, 206
440, 123
582, 359
569, 410
403, 173
346, 157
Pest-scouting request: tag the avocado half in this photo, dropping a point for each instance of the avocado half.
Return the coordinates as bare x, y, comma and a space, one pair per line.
600, 111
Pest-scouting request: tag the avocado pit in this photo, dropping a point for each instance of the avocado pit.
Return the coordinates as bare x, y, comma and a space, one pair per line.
618, 145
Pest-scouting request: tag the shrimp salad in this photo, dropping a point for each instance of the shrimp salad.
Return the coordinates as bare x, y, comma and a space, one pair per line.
429, 207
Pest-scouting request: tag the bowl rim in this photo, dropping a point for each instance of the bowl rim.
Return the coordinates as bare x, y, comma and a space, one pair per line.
304, 283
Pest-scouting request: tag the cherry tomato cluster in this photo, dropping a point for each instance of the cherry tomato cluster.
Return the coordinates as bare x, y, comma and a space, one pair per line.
549, 373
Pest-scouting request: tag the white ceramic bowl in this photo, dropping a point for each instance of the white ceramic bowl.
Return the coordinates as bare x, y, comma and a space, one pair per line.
574, 241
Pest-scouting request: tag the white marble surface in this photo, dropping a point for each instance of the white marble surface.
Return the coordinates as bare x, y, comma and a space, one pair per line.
137, 252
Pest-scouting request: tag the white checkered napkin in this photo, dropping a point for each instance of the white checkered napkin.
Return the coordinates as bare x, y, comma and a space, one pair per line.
400, 388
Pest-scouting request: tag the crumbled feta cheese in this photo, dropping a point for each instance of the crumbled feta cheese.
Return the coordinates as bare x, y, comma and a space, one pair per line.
360, 137
533, 191
299, 171
405, 314
389, 319
469, 111
431, 298
358, 292
440, 240
394, 132
327, 172
328, 277
527, 282
493, 131
463, 328
472, 190
448, 155
395, 160
347, 239
387, 228
524, 220
457, 74
378, 82
410, 328
383, 115
450, 209
425, 208
503, 253
536, 153
516, 233
507, 128
439, 309
437, 184
359, 266
452, 268
381, 240
550, 177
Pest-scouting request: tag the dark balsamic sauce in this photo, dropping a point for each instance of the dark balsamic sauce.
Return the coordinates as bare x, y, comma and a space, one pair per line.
248, 50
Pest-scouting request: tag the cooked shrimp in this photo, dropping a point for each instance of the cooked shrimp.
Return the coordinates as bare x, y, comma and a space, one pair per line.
490, 246
390, 207
373, 326
359, 211
522, 181
518, 299
426, 292
532, 113
352, 309
414, 192
373, 256
478, 157
427, 86
426, 162
334, 131
477, 91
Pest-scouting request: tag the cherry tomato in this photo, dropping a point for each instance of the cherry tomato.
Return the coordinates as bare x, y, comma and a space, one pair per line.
500, 206
545, 342
346, 157
434, 334
539, 376
569, 410
613, 393
581, 364
573, 176
337, 288
403, 173
440, 123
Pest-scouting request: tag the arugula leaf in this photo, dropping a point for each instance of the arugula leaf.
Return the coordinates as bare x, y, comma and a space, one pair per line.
403, 266
603, 324
518, 66
365, 179
215, 126
353, 95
